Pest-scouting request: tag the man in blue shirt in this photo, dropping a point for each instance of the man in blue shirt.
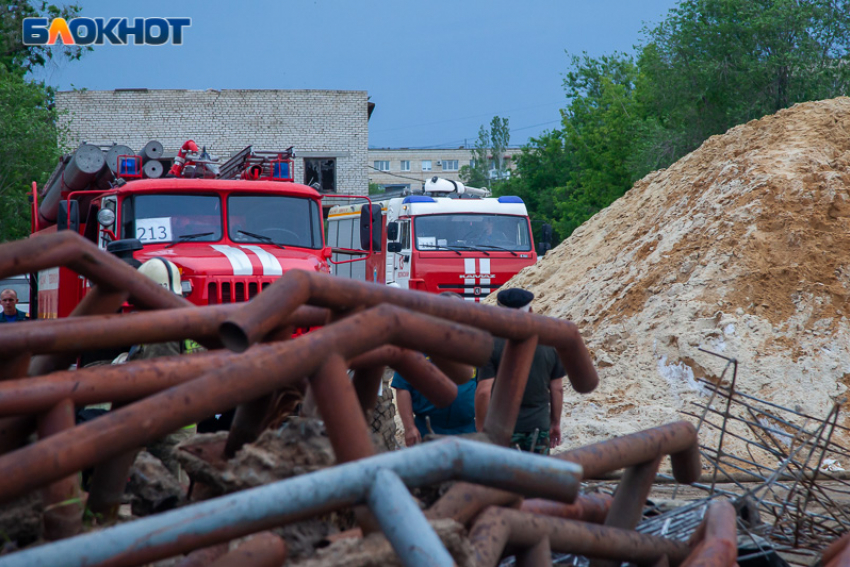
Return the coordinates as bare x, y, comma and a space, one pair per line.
11, 313
413, 407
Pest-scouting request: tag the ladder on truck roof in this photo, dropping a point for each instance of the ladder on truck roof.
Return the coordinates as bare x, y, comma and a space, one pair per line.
259, 165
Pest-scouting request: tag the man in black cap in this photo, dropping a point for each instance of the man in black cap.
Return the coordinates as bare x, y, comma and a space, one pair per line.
538, 426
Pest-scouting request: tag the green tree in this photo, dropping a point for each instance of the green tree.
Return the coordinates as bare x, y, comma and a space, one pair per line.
713, 64
488, 153
500, 136
29, 139
601, 127
28, 148
477, 174
541, 168
20, 58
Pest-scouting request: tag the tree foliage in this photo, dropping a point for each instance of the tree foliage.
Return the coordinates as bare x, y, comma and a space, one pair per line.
29, 145
708, 66
488, 154
20, 58
713, 64
28, 148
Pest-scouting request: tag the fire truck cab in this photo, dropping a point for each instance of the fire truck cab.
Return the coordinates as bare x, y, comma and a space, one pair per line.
437, 241
230, 238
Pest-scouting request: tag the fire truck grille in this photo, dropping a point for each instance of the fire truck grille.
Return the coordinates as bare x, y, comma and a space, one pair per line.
234, 290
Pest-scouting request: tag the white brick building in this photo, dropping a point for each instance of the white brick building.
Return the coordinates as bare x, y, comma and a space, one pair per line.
410, 168
328, 129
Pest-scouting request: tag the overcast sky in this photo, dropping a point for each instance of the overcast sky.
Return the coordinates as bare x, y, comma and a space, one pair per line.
436, 70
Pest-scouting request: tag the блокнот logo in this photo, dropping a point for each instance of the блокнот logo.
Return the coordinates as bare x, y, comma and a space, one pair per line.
98, 31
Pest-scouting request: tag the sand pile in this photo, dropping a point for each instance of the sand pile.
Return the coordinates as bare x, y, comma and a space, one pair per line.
741, 247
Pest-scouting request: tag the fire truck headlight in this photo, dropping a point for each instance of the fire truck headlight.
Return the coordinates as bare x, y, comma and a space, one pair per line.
106, 218
186, 287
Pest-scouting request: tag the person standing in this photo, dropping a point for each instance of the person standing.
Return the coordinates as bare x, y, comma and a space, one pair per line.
538, 425
417, 413
11, 313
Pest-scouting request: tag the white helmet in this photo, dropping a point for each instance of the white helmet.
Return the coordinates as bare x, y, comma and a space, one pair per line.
164, 272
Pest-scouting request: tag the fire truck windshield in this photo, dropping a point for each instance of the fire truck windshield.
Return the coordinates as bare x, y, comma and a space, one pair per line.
487, 232
168, 218
278, 219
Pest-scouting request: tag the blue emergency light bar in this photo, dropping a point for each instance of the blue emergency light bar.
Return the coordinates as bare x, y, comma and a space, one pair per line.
510, 199
418, 199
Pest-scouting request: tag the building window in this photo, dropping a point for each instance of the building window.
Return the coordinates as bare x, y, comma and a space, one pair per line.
472, 163
426, 165
320, 174
405, 165
450, 165
382, 165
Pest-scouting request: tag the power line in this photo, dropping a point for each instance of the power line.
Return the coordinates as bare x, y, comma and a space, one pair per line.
453, 143
394, 174
464, 118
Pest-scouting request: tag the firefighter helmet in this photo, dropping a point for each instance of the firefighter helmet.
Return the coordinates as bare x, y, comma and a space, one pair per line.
163, 272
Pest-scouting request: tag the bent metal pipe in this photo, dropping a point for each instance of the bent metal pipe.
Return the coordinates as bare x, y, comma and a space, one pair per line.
219, 389
296, 287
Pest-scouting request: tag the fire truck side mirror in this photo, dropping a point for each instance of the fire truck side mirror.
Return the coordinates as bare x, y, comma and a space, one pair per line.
373, 211
393, 246
68, 216
546, 234
392, 231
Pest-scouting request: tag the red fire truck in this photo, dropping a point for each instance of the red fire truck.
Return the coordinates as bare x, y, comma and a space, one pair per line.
449, 238
230, 229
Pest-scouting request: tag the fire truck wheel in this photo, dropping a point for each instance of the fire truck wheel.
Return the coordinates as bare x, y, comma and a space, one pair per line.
382, 418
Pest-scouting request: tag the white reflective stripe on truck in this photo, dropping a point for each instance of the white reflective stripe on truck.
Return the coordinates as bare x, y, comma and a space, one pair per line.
271, 265
238, 259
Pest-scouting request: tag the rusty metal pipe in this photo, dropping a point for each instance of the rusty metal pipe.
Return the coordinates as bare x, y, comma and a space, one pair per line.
15, 364
464, 501
222, 388
631, 494
204, 556
426, 377
629, 500
63, 507
842, 559
286, 294
538, 555
110, 383
263, 550
677, 439
15, 430
456, 372
69, 249
719, 547
264, 507
324, 290
835, 548
337, 402
108, 482
83, 333
591, 508
508, 389
247, 424
97, 301
121, 383
367, 384
498, 527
